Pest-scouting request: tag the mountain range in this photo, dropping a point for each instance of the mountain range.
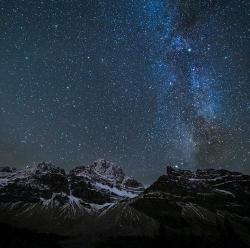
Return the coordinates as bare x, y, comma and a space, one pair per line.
99, 206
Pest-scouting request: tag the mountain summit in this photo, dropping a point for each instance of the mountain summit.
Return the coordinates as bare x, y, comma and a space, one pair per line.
87, 188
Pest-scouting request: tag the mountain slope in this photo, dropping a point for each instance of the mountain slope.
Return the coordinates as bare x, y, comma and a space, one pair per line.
207, 208
46, 198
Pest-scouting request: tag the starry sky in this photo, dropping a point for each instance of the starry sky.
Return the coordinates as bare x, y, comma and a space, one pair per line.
144, 83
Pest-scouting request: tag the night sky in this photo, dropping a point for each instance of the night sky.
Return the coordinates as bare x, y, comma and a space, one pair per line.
144, 83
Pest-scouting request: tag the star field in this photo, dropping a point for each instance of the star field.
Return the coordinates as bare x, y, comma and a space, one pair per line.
144, 83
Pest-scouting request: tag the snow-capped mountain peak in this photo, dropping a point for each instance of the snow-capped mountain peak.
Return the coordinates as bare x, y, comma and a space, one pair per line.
101, 170
99, 184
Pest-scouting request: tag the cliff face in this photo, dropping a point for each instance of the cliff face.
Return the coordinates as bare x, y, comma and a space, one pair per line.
205, 208
86, 189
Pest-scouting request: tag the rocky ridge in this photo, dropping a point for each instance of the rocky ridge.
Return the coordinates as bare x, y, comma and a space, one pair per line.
202, 208
86, 189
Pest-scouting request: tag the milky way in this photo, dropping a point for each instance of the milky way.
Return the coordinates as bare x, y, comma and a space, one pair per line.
144, 83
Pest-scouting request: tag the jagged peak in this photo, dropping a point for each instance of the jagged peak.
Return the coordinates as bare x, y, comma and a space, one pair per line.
98, 183
108, 177
44, 167
103, 169
108, 169
200, 173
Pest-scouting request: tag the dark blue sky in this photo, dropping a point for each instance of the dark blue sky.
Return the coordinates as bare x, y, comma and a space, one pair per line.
143, 83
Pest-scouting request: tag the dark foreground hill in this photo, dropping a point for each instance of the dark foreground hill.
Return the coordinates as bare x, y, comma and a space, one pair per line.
98, 206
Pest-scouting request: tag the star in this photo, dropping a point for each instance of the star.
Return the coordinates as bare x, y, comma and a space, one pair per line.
145, 83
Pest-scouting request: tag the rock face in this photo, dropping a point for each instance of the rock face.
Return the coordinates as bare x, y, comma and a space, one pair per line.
86, 188
98, 203
104, 176
217, 192
32, 184
101, 170
205, 208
